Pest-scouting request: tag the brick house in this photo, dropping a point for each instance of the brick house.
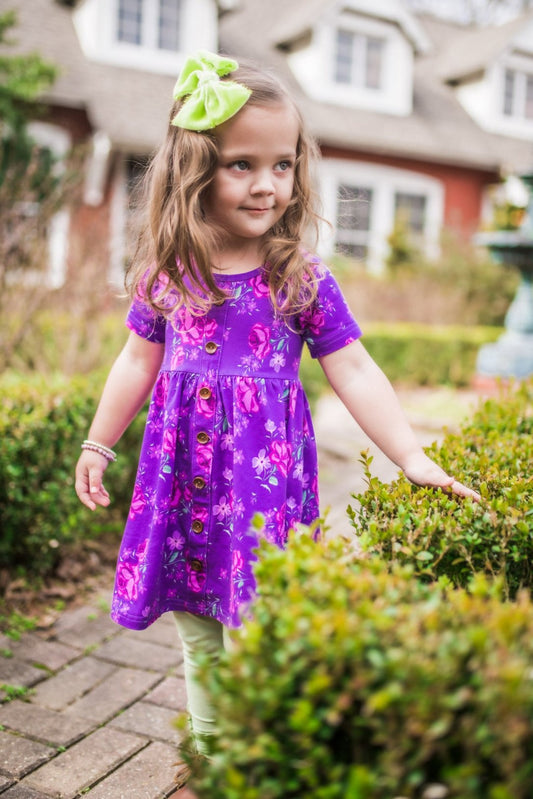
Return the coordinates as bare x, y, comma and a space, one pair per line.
414, 115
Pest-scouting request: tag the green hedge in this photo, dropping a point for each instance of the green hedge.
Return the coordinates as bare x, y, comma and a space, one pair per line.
350, 681
442, 536
427, 355
42, 423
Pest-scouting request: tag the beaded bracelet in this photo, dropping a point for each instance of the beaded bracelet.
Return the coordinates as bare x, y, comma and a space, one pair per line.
94, 446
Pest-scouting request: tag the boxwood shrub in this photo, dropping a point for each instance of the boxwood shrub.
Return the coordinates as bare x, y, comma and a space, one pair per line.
353, 680
42, 424
427, 355
439, 535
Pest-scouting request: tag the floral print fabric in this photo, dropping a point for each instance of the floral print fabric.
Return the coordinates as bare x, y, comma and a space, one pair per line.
228, 435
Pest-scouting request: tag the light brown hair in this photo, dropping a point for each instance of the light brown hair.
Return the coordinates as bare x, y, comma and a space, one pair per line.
176, 244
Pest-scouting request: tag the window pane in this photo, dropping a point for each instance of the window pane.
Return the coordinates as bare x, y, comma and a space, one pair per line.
130, 21
374, 60
344, 57
358, 251
353, 208
411, 210
169, 24
508, 92
529, 97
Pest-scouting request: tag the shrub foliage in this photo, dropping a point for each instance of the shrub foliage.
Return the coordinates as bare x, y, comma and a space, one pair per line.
42, 424
353, 681
442, 536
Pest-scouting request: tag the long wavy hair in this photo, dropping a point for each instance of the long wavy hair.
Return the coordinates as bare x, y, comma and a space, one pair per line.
172, 265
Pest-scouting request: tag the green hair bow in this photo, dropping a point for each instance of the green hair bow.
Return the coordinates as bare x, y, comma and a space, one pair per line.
210, 101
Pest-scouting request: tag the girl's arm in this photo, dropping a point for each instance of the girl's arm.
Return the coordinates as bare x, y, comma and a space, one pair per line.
129, 383
368, 395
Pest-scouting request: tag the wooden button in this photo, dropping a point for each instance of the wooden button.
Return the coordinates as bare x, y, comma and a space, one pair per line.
203, 437
211, 347
197, 526
205, 392
199, 482
196, 565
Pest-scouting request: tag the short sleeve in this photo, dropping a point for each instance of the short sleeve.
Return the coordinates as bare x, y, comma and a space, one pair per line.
144, 321
328, 324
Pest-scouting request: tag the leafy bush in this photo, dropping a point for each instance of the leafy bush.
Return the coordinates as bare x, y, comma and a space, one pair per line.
349, 681
427, 355
439, 535
42, 424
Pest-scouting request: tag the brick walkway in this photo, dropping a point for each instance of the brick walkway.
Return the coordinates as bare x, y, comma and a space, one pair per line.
99, 710
101, 700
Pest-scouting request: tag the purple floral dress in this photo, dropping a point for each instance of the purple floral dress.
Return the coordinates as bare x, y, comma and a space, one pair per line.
228, 435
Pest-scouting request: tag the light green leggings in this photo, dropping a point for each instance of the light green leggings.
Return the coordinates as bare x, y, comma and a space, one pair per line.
200, 635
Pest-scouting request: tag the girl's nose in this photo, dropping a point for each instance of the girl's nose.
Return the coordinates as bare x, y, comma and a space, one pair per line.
262, 182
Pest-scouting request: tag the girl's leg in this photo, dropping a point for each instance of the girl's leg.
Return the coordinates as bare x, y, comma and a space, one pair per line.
200, 634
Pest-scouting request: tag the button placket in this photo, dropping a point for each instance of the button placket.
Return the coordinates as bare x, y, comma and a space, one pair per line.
201, 445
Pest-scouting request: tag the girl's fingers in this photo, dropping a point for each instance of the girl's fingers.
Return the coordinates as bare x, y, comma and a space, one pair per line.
98, 493
84, 495
423, 471
463, 491
89, 487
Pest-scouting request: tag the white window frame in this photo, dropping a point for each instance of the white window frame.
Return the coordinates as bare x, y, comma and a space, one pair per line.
521, 78
356, 236
96, 23
384, 182
410, 195
359, 55
149, 25
484, 98
315, 65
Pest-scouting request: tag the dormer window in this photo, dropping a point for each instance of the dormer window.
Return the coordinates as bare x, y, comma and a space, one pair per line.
359, 59
149, 23
518, 94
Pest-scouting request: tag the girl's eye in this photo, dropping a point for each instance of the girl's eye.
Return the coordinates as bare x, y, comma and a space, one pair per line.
239, 166
284, 166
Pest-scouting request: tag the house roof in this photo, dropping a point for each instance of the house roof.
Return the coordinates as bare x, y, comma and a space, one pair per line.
132, 106
290, 24
473, 51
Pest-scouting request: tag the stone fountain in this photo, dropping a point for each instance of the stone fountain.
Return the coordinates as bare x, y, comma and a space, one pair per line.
512, 355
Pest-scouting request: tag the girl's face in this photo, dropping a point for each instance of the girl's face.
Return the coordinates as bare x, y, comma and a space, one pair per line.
254, 179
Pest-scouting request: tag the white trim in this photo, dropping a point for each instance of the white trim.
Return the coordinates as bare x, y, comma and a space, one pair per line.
385, 182
118, 217
59, 142
58, 246
96, 169
55, 138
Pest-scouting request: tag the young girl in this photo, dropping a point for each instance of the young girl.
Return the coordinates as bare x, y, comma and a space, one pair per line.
224, 296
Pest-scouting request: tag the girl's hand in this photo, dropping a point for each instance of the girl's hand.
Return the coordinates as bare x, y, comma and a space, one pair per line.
422, 471
89, 486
